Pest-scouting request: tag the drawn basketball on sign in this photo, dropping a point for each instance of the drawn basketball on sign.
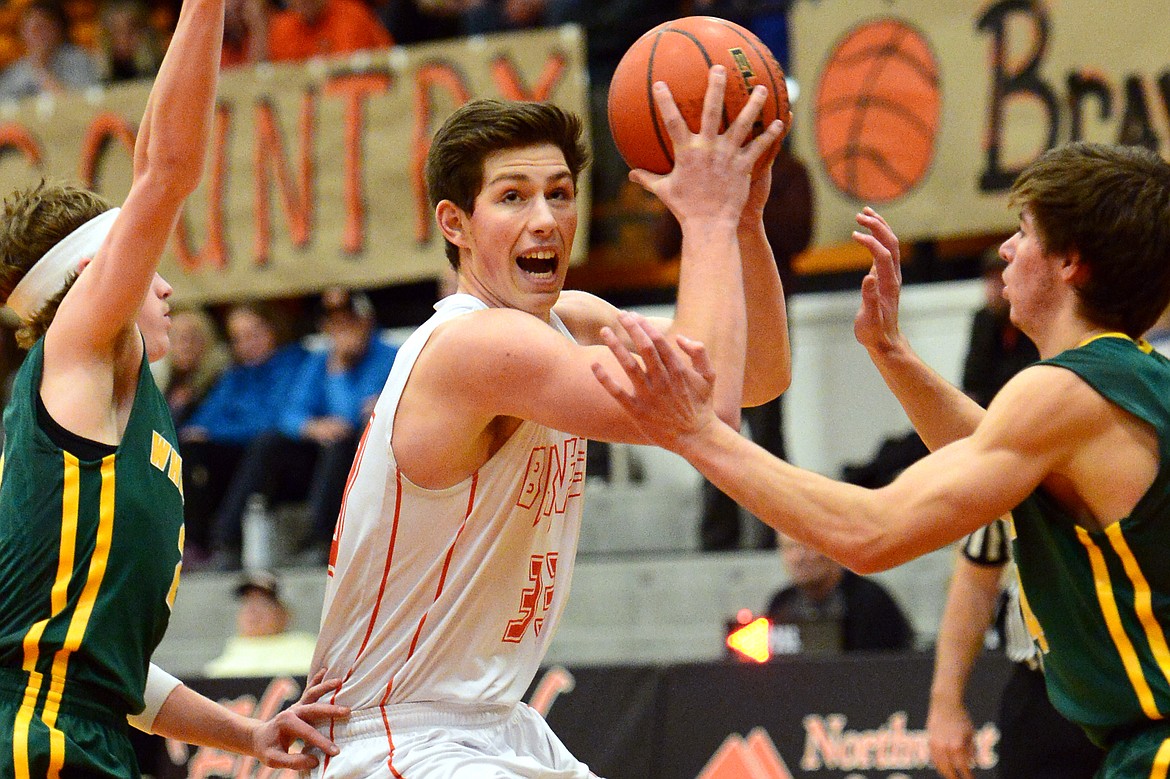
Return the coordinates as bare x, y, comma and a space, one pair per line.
877, 111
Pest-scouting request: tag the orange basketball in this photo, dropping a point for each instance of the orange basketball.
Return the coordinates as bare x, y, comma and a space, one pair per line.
877, 111
680, 53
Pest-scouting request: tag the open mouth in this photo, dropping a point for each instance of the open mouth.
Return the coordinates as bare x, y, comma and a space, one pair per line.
541, 263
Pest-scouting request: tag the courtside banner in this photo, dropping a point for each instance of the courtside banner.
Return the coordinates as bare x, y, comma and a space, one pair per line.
927, 109
859, 716
315, 170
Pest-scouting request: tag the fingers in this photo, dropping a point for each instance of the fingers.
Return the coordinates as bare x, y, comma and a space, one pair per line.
317, 687
741, 127
676, 126
766, 145
712, 118
700, 360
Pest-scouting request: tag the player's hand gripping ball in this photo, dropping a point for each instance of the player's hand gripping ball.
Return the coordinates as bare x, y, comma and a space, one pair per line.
680, 53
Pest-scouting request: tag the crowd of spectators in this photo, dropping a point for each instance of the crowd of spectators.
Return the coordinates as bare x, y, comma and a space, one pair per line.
49, 45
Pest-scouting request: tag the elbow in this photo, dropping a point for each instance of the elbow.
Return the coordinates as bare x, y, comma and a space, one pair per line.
175, 174
762, 387
872, 550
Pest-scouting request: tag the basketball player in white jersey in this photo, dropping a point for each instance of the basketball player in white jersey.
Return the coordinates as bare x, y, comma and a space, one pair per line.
454, 548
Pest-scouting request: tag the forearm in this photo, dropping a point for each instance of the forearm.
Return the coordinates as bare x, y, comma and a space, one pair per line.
939, 411
768, 367
179, 110
840, 520
968, 613
195, 719
710, 307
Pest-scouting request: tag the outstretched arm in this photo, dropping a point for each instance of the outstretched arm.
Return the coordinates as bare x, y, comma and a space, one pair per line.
168, 162
939, 411
968, 613
1030, 429
192, 718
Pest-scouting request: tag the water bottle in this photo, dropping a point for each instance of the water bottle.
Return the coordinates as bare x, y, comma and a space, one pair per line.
258, 532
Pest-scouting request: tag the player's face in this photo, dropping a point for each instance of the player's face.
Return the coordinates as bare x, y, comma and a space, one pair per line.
1030, 281
519, 236
154, 319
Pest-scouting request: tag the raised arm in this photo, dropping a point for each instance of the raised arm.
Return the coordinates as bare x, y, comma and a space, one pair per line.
168, 161
768, 368
707, 191
939, 411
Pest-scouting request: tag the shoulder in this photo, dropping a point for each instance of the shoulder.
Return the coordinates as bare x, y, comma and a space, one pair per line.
1042, 413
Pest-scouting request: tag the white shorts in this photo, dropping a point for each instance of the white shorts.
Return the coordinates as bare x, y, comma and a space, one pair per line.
449, 741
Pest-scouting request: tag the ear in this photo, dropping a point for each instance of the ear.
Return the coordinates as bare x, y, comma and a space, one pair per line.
84, 261
1074, 270
452, 222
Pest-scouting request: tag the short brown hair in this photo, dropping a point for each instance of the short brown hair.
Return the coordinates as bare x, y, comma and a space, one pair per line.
1111, 204
35, 220
454, 168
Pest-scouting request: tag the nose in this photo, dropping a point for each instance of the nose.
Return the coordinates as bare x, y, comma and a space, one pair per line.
542, 220
1007, 249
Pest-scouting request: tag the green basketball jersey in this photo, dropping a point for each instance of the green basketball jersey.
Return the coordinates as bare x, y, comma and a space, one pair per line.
90, 554
1102, 598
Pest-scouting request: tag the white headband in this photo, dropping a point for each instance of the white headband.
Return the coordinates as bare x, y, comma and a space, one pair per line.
44, 279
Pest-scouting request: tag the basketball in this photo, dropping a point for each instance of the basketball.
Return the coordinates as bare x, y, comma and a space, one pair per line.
680, 53
878, 110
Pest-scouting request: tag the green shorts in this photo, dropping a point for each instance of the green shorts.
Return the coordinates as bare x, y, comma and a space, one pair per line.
91, 748
1144, 754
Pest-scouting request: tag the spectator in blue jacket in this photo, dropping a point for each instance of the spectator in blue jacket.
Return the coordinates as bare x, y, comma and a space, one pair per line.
309, 453
245, 402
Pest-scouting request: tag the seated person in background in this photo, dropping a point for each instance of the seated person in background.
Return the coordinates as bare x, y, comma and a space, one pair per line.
263, 644
195, 362
309, 454
824, 589
51, 63
246, 401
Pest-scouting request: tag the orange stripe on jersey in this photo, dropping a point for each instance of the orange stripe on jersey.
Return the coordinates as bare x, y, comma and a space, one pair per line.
353, 470
423, 620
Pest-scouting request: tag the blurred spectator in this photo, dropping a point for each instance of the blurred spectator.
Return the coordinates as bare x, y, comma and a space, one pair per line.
484, 16
788, 222
823, 589
263, 644
129, 49
997, 349
416, 21
313, 28
324, 412
245, 32
51, 63
195, 362
245, 402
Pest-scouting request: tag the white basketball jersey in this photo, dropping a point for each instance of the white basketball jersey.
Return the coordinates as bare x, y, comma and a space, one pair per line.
453, 594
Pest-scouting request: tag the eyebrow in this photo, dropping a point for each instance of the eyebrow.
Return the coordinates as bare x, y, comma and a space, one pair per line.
521, 177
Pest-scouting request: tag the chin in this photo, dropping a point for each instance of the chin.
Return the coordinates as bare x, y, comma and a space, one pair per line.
157, 348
